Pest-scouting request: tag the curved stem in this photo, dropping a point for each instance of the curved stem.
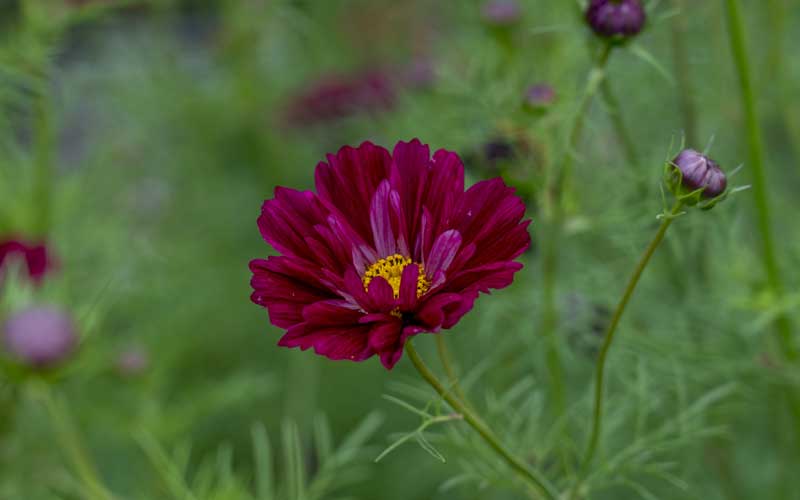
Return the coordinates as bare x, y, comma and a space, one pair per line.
756, 147
532, 477
447, 364
600, 369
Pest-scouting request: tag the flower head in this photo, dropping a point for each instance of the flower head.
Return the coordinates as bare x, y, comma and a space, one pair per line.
35, 255
698, 171
616, 18
501, 13
40, 337
337, 97
389, 246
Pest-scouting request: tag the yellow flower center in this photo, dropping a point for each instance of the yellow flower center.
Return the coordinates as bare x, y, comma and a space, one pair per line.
391, 269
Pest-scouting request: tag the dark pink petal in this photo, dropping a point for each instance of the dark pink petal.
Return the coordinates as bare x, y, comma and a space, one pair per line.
408, 288
381, 296
347, 182
333, 329
284, 290
384, 336
381, 221
288, 219
496, 275
443, 252
333, 342
433, 312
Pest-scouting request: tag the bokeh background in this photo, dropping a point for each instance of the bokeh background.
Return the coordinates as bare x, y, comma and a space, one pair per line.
139, 138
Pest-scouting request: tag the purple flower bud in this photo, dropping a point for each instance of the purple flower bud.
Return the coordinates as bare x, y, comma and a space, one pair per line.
699, 171
40, 337
540, 96
501, 13
616, 18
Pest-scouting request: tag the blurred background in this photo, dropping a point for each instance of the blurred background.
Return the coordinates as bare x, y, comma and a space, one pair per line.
138, 140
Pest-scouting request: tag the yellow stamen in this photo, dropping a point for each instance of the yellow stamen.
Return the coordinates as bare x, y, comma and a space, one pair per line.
391, 269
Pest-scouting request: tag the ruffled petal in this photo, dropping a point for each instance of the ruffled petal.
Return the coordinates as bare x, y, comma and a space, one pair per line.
347, 182
333, 330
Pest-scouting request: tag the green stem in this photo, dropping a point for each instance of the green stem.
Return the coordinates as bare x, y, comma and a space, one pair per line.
532, 477
447, 364
70, 441
43, 161
623, 134
680, 58
600, 369
554, 218
758, 169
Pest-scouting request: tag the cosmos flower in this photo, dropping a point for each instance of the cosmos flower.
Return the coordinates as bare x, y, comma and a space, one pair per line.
389, 246
35, 255
336, 97
616, 18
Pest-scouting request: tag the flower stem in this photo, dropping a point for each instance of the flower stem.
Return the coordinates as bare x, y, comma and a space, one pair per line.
70, 441
600, 369
680, 58
623, 134
531, 476
756, 147
447, 364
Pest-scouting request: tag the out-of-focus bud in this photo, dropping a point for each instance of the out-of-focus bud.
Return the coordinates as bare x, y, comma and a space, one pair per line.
132, 361
697, 171
40, 337
539, 97
616, 19
501, 13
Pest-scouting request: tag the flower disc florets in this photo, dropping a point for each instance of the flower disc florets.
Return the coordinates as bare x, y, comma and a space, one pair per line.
389, 246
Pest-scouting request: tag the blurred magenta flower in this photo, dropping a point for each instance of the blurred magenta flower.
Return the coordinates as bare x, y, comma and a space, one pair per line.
132, 361
40, 337
540, 96
616, 18
501, 13
388, 247
699, 171
335, 97
37, 257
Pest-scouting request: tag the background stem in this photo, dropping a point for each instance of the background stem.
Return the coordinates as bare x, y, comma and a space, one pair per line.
759, 178
554, 209
70, 442
531, 476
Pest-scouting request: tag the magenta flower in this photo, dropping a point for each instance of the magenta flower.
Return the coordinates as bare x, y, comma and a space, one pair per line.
388, 247
35, 255
335, 97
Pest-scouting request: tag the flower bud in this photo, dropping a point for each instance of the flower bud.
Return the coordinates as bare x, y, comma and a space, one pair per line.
132, 361
40, 337
616, 18
501, 13
539, 97
698, 171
